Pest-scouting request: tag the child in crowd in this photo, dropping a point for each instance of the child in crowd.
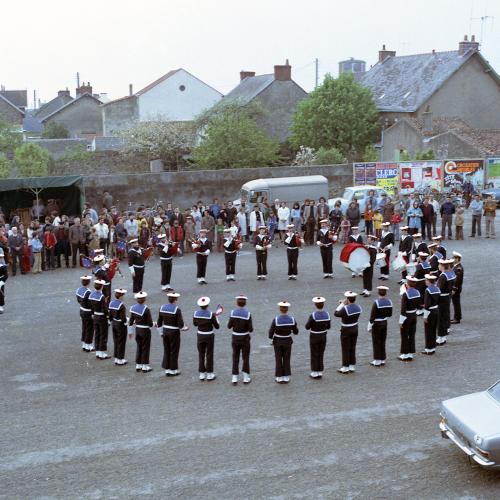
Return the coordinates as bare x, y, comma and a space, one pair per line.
189, 234
368, 216
345, 229
36, 250
26, 260
396, 219
459, 223
272, 225
219, 232
377, 223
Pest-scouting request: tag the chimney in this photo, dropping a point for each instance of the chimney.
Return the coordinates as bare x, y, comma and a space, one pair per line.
427, 118
63, 92
84, 89
465, 45
246, 74
384, 54
283, 72
130, 90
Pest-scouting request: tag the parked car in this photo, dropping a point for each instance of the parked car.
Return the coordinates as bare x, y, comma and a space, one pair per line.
493, 191
472, 422
361, 193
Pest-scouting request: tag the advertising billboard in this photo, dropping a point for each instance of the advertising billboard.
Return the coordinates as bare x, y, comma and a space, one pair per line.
456, 172
420, 176
387, 177
493, 176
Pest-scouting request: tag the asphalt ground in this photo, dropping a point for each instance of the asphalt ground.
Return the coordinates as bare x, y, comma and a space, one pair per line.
75, 427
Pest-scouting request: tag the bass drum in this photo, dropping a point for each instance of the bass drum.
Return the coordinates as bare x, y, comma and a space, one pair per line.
355, 257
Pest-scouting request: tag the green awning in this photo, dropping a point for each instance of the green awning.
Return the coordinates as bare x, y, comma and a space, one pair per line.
39, 182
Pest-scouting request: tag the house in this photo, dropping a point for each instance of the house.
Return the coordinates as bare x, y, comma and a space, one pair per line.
81, 116
9, 112
62, 98
17, 97
278, 95
177, 96
459, 83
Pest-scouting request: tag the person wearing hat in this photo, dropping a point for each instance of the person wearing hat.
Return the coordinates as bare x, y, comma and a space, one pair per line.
431, 305
419, 245
410, 300
356, 237
140, 316
325, 242
202, 246
381, 311
118, 318
170, 324
421, 269
280, 333
168, 251
205, 321
405, 249
240, 322
293, 241
445, 283
136, 265
348, 312
4, 274
230, 251
99, 307
100, 272
458, 269
386, 243
262, 244
83, 298
371, 246
434, 259
318, 325
440, 247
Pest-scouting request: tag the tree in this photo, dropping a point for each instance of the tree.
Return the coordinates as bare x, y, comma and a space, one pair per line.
159, 139
55, 130
9, 138
4, 166
339, 114
370, 154
305, 157
330, 156
426, 154
231, 138
31, 160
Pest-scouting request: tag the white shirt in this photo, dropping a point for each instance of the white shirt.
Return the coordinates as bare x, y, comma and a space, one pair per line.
283, 213
242, 221
102, 230
254, 223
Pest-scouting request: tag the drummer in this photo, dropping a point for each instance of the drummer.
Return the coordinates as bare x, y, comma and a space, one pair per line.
355, 237
371, 246
386, 243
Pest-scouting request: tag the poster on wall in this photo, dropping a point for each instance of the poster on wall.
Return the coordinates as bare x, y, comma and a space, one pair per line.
364, 173
420, 176
456, 172
493, 173
387, 177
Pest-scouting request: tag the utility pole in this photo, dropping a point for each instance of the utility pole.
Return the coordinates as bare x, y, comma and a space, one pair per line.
34, 99
77, 79
316, 68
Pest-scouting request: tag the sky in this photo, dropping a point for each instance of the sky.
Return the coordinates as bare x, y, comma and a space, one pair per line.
112, 43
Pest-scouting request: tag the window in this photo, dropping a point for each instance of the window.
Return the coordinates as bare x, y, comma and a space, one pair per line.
182, 88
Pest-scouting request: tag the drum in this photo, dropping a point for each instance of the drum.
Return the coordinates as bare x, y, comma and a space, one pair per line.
355, 257
399, 263
121, 245
380, 259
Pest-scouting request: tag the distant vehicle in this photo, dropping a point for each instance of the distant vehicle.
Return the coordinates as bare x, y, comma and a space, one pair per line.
289, 189
494, 191
360, 193
472, 422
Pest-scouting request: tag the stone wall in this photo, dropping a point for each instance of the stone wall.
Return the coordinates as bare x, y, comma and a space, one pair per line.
186, 187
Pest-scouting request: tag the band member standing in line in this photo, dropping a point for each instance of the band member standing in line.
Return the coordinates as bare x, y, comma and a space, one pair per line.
205, 321
83, 298
348, 312
458, 269
202, 246
136, 265
118, 318
405, 248
262, 245
431, 305
356, 237
421, 269
99, 307
231, 247
293, 242
371, 246
140, 316
381, 310
445, 284
4, 274
410, 301
386, 243
318, 325
325, 241
168, 251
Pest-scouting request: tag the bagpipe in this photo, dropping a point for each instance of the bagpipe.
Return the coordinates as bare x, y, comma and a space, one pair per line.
85, 262
219, 310
333, 235
196, 246
148, 252
114, 266
298, 240
238, 243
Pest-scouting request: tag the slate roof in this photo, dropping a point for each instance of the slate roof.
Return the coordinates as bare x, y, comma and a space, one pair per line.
403, 83
54, 104
249, 88
11, 104
17, 97
71, 103
31, 123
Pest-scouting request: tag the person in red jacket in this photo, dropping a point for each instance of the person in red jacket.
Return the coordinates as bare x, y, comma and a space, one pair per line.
49, 242
177, 234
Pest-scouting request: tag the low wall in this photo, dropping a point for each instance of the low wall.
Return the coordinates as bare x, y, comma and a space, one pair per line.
186, 187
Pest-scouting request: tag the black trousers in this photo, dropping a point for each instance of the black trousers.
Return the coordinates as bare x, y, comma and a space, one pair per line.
87, 327
166, 271
457, 306
385, 269
230, 262
16, 256
119, 339
444, 315
100, 333
63, 249
143, 341
49, 259
201, 265
205, 345
293, 258
171, 346
261, 262
379, 336
327, 259
137, 279
368, 278
76, 248
2, 295
241, 345
282, 354
430, 329
317, 344
348, 340
427, 231
408, 329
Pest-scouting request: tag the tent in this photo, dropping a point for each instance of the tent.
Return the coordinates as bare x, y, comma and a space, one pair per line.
19, 193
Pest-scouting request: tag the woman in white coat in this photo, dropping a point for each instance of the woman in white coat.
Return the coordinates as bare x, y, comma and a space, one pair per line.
256, 220
283, 218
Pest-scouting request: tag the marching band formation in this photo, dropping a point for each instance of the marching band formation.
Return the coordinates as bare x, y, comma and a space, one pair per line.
429, 284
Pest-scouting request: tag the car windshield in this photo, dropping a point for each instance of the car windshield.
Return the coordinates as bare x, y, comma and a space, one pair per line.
347, 194
495, 391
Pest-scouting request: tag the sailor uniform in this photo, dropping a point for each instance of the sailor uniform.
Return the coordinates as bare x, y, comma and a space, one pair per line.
406, 248
262, 244
3, 278
292, 253
118, 318
445, 283
386, 243
381, 310
356, 238
168, 250
431, 315
140, 316
434, 262
349, 316
457, 290
422, 268
408, 321
240, 322
99, 308
82, 296
170, 321
205, 321
368, 271
326, 250
202, 258
230, 256
420, 247
136, 265
280, 331
101, 273
318, 325
442, 250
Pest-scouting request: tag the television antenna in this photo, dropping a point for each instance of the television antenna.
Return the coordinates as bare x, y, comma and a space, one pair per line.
484, 20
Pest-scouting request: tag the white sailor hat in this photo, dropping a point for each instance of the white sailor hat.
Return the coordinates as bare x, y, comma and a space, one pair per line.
284, 303
98, 258
323, 221
241, 297
417, 235
383, 287
404, 228
372, 237
175, 295
423, 254
289, 226
140, 295
121, 291
318, 300
262, 227
349, 294
203, 230
99, 282
386, 223
354, 227
98, 251
442, 261
133, 240
161, 236
437, 238
456, 254
430, 277
450, 261
203, 301
411, 278
432, 245
86, 278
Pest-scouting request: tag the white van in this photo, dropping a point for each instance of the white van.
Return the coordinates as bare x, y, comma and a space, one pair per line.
289, 189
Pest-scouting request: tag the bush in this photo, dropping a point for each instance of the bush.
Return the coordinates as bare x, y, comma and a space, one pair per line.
329, 156
426, 154
55, 130
4, 167
31, 160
